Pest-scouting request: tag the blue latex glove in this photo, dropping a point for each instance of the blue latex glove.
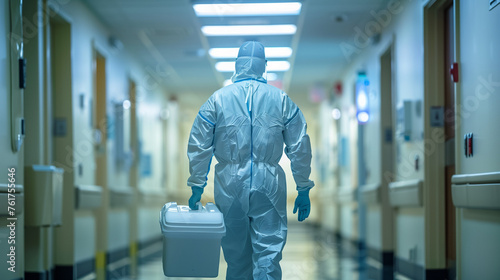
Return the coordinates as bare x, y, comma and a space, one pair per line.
303, 204
195, 197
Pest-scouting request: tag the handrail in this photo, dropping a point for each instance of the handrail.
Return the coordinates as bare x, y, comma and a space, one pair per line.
370, 193
480, 191
407, 193
88, 197
121, 197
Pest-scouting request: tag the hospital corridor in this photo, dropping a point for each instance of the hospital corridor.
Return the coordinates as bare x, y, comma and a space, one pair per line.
249, 139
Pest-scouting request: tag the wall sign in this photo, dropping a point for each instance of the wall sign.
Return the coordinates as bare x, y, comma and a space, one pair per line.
437, 116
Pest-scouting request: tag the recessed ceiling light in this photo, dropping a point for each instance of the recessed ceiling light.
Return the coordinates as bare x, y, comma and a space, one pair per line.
238, 30
247, 9
271, 52
272, 66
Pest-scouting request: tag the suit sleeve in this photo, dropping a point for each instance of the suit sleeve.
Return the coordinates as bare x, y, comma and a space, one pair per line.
298, 145
200, 145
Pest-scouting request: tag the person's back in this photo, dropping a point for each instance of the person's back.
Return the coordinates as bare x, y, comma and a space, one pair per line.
256, 128
245, 126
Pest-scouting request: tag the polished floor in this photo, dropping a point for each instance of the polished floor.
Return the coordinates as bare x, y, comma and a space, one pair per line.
309, 255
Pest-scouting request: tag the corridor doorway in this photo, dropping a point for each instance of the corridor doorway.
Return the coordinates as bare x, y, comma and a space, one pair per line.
449, 129
439, 43
100, 126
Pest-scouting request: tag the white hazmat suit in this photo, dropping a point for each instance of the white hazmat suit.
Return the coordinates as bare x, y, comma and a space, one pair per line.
245, 126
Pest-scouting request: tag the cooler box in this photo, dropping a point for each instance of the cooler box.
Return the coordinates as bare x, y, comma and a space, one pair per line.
191, 240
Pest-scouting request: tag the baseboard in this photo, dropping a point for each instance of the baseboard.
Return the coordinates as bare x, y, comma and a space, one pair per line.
84, 268
386, 258
360, 245
76, 271
149, 250
436, 274
118, 263
351, 248
36, 275
409, 269
117, 255
415, 271
380, 264
64, 272
337, 235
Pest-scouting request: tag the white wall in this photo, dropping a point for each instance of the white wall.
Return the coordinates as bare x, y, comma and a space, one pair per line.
85, 228
404, 28
118, 232
149, 227
9, 159
374, 227
89, 32
480, 244
172, 145
326, 157
479, 92
410, 236
480, 85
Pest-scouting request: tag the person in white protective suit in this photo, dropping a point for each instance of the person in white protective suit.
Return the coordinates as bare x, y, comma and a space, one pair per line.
245, 125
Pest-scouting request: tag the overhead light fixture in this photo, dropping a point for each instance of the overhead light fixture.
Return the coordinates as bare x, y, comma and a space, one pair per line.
271, 52
362, 101
272, 66
126, 104
224, 66
278, 66
243, 30
336, 114
248, 9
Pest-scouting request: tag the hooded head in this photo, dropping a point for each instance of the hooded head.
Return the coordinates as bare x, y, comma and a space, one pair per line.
251, 62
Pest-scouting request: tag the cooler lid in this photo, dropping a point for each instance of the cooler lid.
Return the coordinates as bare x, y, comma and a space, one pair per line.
179, 218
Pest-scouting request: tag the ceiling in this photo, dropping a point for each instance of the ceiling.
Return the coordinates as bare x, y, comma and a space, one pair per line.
165, 36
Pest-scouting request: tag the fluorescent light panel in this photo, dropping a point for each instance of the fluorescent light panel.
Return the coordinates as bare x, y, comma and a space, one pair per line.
271, 52
272, 66
248, 9
242, 30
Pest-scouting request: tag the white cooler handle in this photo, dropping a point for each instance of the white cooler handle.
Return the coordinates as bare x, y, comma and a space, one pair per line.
200, 206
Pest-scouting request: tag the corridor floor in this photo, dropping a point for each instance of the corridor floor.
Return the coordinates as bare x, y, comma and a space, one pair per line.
308, 255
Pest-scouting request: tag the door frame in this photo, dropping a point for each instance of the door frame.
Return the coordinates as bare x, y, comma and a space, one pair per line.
63, 251
434, 136
101, 213
388, 156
